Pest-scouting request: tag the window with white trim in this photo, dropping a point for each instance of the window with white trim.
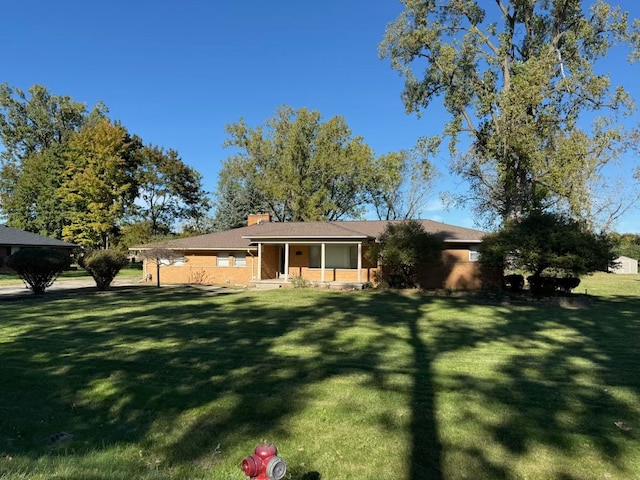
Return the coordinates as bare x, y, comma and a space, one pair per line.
239, 259
223, 260
474, 253
177, 261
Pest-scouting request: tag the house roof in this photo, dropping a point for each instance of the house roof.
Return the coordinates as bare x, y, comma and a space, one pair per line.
246, 238
15, 237
449, 233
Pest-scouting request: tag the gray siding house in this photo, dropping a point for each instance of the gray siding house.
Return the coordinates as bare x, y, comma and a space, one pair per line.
13, 239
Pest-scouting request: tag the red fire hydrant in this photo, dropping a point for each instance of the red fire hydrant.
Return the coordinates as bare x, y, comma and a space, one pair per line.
264, 464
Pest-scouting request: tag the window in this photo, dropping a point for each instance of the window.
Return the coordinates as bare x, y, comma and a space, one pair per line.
177, 261
223, 260
474, 254
314, 256
336, 256
239, 259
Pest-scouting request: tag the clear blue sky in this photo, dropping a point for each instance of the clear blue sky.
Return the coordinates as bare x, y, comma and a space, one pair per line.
175, 72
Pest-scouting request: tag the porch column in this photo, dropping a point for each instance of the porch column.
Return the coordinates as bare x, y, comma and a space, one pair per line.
286, 262
359, 262
259, 261
322, 261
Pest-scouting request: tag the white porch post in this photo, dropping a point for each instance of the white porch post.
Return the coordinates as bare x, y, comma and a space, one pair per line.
322, 261
286, 262
259, 261
359, 262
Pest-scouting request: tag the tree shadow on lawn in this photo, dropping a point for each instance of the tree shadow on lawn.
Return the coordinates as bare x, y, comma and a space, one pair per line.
560, 386
96, 375
174, 351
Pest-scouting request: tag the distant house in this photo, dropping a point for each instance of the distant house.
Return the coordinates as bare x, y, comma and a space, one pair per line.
14, 239
625, 265
325, 253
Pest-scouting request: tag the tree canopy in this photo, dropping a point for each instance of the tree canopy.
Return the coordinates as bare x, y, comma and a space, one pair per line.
549, 243
168, 190
236, 198
304, 168
33, 121
98, 182
401, 185
73, 174
298, 167
519, 77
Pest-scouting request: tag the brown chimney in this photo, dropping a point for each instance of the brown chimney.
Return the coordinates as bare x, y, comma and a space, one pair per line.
257, 218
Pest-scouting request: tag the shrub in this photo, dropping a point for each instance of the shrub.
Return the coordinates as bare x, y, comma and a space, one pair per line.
38, 267
513, 282
567, 284
103, 266
547, 243
549, 285
300, 282
407, 252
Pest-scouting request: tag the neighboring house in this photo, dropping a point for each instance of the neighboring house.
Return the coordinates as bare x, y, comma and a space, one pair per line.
625, 265
319, 252
13, 239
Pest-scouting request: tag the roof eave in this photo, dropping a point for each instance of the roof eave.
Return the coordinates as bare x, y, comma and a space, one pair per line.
305, 237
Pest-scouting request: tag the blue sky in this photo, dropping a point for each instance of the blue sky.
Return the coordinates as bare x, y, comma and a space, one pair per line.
176, 72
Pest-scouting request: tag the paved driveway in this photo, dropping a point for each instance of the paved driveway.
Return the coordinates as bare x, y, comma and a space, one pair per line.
18, 290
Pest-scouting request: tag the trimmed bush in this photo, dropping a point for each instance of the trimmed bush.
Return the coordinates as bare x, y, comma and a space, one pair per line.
513, 282
38, 267
103, 266
549, 285
407, 253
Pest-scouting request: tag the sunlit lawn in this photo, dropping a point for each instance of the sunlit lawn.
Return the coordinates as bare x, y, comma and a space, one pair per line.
181, 383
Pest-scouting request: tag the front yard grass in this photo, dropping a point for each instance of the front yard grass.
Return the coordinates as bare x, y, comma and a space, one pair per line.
181, 383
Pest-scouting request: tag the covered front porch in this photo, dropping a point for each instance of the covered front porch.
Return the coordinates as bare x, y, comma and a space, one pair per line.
338, 263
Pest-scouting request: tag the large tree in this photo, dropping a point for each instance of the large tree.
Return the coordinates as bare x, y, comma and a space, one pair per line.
305, 168
31, 122
236, 198
401, 185
519, 76
34, 128
168, 190
99, 182
29, 192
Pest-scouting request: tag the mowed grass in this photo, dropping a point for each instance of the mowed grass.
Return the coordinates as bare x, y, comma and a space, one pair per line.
182, 383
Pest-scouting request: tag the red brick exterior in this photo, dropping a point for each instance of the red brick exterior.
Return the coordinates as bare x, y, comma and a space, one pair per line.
201, 267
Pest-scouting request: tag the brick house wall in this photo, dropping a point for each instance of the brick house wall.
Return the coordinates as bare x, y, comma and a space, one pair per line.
457, 272
201, 267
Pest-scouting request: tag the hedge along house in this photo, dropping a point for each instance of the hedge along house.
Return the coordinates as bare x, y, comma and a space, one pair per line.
325, 253
14, 239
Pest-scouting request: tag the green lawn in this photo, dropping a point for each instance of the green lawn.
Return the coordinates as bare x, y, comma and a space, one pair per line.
181, 383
